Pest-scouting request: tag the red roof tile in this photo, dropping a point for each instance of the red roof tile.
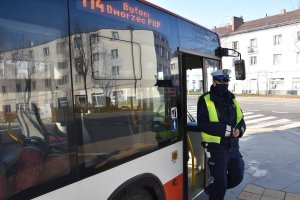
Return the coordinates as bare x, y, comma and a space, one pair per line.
266, 22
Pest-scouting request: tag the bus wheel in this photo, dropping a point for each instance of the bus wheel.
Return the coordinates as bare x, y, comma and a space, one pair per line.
144, 186
140, 193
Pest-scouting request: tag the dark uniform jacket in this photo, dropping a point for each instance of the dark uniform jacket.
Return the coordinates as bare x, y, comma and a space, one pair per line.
226, 114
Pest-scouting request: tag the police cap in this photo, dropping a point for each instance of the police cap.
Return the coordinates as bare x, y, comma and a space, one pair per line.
221, 75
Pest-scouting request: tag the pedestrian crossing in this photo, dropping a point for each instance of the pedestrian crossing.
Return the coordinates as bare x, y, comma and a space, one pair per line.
255, 120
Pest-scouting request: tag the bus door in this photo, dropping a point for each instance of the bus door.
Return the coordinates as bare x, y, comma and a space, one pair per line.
196, 80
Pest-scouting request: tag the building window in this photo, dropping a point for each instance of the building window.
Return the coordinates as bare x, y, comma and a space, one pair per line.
235, 45
115, 35
253, 42
163, 39
47, 82
115, 71
63, 80
162, 51
159, 68
95, 38
296, 83
157, 49
253, 60
62, 65
46, 51
298, 57
47, 67
15, 57
1, 67
33, 85
3, 89
78, 42
33, 69
60, 47
6, 108
276, 83
78, 78
30, 54
95, 57
114, 54
277, 40
276, 59
168, 55
172, 66
80, 99
253, 46
18, 87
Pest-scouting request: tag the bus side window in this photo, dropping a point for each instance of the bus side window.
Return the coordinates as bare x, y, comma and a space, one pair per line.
34, 74
119, 116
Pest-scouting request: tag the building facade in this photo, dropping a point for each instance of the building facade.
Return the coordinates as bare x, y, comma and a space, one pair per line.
270, 47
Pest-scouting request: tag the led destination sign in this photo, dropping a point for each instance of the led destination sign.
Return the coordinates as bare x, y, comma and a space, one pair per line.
125, 11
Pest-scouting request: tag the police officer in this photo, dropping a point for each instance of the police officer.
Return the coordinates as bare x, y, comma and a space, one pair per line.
221, 123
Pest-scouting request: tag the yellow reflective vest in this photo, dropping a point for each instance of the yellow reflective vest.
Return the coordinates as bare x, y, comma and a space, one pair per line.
213, 117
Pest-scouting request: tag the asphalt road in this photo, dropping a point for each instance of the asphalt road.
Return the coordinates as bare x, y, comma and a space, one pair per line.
264, 113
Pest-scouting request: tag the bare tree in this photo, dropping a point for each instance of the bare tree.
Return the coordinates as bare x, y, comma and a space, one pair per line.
81, 54
24, 69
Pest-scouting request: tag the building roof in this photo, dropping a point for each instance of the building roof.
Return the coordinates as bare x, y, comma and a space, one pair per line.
284, 18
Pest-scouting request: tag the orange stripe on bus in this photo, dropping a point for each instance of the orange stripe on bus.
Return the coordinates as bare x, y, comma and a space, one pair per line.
174, 188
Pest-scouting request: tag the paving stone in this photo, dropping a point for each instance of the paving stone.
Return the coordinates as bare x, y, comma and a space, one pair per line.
274, 193
291, 196
249, 196
268, 198
254, 189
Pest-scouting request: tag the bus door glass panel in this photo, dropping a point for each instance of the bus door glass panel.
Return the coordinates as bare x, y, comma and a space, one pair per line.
35, 102
128, 97
195, 88
210, 66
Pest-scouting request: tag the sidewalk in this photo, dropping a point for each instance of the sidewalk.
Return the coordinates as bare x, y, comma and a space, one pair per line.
272, 166
254, 192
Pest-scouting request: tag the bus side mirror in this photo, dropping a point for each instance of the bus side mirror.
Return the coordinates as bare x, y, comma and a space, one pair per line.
240, 71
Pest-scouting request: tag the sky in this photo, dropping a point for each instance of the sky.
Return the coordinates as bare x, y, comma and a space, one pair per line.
210, 13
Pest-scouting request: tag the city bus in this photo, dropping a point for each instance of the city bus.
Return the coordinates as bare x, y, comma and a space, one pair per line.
94, 100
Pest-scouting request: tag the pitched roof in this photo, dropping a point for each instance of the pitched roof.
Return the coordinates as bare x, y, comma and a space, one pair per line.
284, 18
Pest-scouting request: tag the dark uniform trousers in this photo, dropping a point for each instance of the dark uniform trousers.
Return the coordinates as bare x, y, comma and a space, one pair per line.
226, 167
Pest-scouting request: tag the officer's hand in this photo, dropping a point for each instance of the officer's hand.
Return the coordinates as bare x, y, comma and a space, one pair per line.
236, 132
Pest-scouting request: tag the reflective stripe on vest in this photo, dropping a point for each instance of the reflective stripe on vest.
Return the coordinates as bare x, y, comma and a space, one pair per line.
213, 117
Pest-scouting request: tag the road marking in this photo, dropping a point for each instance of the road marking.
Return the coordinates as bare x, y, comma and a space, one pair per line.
260, 119
279, 112
253, 116
281, 121
193, 112
292, 125
247, 113
294, 132
269, 104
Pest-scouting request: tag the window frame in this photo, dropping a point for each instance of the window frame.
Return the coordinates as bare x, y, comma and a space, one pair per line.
235, 45
253, 60
46, 51
277, 39
277, 59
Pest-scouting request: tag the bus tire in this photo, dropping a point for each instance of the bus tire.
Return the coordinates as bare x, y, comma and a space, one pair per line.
144, 186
